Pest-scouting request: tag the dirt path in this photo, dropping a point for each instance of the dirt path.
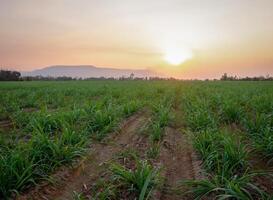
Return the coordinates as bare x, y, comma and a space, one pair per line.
93, 164
179, 162
178, 157
134, 146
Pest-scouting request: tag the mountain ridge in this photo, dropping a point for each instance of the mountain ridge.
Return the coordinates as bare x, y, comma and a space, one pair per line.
88, 71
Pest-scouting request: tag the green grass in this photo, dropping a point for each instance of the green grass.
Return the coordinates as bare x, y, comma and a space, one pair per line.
78, 196
219, 187
30, 162
104, 190
140, 180
153, 151
161, 117
222, 153
130, 108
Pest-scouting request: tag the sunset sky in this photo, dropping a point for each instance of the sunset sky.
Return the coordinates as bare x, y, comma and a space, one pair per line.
180, 38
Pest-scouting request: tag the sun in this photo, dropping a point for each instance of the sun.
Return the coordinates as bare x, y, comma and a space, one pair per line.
177, 56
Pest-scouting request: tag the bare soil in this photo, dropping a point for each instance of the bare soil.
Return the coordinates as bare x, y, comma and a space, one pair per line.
180, 161
179, 164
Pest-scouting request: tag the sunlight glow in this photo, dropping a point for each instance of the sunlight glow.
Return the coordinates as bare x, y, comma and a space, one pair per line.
176, 56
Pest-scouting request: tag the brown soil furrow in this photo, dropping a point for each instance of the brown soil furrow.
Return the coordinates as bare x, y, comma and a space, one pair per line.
92, 166
179, 164
137, 145
6, 124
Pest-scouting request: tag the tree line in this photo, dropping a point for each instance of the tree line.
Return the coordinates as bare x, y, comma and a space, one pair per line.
7, 75
226, 77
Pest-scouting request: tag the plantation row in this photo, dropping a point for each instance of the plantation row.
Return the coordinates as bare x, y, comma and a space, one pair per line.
136, 177
221, 118
45, 125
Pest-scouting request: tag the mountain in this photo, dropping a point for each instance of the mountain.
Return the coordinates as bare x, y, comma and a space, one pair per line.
86, 71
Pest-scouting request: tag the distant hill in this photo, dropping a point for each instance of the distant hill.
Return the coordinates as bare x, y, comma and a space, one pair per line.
86, 71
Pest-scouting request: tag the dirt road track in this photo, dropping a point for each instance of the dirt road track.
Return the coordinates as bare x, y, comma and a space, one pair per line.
179, 163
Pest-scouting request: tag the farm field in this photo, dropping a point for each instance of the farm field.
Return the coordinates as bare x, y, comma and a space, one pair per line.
136, 140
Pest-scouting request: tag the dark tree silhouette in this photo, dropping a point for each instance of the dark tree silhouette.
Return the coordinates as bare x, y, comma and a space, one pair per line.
225, 77
6, 75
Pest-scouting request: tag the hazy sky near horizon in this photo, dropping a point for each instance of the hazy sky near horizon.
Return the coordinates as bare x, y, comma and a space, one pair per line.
210, 36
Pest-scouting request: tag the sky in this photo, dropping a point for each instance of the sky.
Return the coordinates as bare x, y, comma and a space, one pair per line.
180, 38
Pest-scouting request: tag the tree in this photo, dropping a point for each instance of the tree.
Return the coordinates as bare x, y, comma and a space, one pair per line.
6, 75
224, 77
